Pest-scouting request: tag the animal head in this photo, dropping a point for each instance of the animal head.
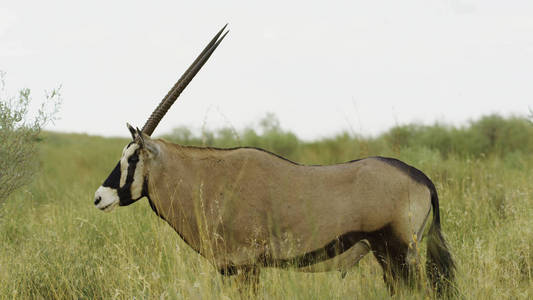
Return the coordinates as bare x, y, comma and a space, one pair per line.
128, 182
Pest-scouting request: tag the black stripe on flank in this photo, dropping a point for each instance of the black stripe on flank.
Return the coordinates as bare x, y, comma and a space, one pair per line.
336, 247
332, 249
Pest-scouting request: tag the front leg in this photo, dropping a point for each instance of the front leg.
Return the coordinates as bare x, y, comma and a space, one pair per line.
245, 276
248, 278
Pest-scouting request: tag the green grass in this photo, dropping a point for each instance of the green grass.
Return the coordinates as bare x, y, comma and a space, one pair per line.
55, 244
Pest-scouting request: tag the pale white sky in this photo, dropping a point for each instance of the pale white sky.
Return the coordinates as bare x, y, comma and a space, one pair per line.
320, 66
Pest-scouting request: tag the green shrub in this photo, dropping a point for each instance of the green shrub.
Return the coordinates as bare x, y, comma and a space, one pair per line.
19, 136
490, 135
493, 135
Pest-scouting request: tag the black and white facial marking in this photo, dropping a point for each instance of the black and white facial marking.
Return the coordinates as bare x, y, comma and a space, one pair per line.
126, 183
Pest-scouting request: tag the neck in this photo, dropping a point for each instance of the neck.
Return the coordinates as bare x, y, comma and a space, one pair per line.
170, 192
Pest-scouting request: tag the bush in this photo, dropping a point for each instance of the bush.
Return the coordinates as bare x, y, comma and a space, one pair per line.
507, 138
19, 136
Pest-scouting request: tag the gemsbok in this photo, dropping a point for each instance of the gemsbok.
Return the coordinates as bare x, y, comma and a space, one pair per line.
246, 208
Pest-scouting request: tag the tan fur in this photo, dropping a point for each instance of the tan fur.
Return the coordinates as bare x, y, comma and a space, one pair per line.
233, 206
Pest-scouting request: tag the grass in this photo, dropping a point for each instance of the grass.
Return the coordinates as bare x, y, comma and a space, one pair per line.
55, 244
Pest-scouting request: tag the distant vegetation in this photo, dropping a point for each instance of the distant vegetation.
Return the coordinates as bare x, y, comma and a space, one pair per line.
490, 135
55, 244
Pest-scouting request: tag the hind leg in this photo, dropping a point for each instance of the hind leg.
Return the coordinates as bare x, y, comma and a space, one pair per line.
413, 251
413, 258
412, 262
391, 254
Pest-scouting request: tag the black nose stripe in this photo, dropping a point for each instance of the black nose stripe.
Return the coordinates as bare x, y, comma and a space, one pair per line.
113, 181
97, 200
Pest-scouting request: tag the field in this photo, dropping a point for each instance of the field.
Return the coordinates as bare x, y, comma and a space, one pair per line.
55, 244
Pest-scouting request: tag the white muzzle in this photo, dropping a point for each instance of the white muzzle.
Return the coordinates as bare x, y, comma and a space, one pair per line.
106, 198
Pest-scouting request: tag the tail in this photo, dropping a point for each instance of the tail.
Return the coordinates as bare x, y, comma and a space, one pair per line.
440, 267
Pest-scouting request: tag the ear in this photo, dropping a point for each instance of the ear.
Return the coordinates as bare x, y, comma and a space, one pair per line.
146, 142
132, 131
140, 138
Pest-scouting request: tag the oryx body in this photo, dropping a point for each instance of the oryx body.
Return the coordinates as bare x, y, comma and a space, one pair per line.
257, 207
245, 208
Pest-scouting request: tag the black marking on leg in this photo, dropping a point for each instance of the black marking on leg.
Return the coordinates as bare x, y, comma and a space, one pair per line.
343, 274
228, 270
391, 253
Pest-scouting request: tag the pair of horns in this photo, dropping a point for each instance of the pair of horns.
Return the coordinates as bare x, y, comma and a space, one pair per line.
182, 83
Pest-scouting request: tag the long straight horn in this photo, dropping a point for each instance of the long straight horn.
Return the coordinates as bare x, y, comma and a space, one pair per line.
182, 83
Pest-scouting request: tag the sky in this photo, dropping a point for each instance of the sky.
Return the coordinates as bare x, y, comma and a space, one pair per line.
321, 67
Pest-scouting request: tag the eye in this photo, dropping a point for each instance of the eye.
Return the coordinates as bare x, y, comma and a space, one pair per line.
133, 159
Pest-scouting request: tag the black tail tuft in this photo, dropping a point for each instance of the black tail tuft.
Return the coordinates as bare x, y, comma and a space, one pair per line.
440, 266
